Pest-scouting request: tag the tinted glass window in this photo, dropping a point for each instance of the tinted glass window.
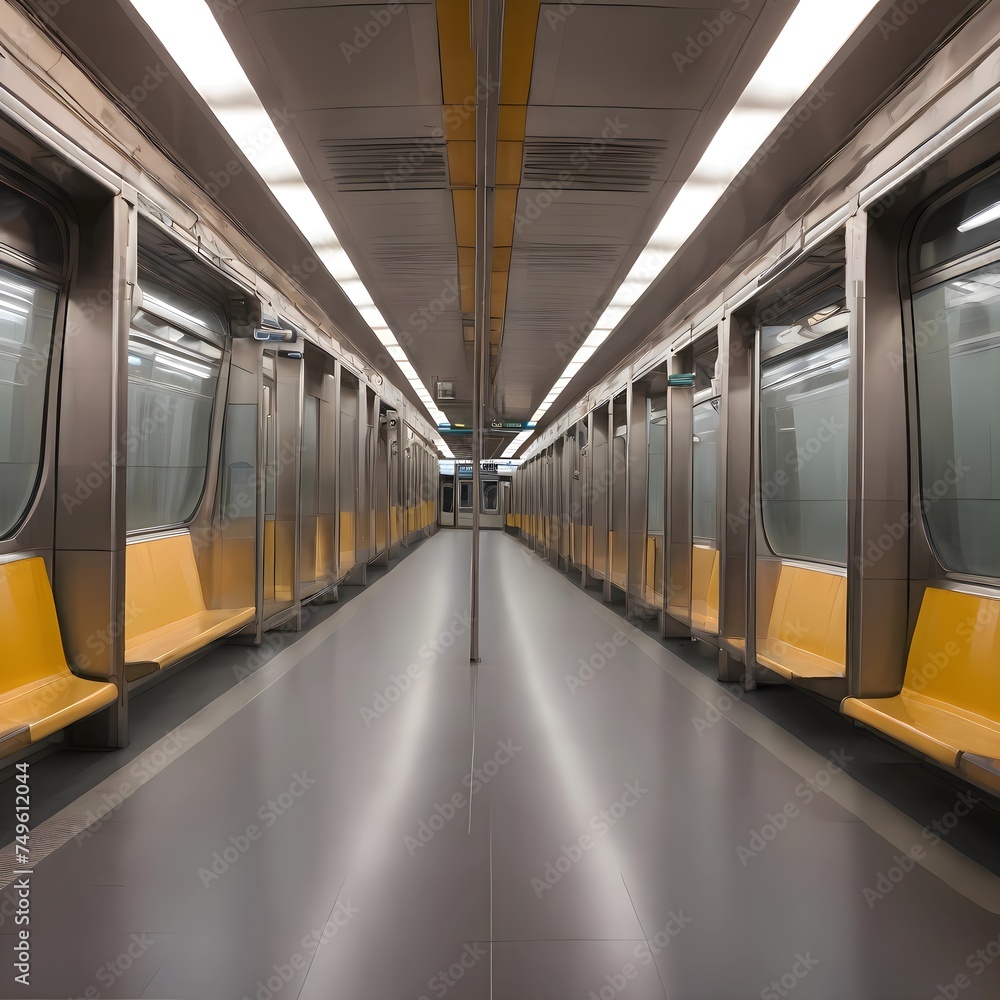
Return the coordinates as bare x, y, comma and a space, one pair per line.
957, 350
706, 443
968, 222
491, 497
171, 392
27, 324
804, 448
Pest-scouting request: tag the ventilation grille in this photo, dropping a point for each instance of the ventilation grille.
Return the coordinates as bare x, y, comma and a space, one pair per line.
401, 164
593, 164
540, 260
415, 259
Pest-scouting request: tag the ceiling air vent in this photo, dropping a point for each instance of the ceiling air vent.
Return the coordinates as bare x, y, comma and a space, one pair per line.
393, 165
586, 165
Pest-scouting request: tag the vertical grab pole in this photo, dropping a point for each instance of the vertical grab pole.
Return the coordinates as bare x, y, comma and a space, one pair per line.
487, 30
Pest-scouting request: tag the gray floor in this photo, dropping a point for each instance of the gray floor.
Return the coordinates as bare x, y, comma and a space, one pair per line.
610, 847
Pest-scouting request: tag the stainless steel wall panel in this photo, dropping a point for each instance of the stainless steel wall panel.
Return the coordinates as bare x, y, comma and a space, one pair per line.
89, 557
736, 510
677, 521
878, 493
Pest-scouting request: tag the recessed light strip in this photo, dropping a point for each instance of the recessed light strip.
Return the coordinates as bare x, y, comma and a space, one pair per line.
196, 43
814, 33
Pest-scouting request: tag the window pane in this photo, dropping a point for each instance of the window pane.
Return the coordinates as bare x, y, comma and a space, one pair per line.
310, 457
491, 497
239, 462
465, 496
958, 390
171, 391
27, 321
656, 464
803, 484
968, 222
448, 499
706, 443
29, 228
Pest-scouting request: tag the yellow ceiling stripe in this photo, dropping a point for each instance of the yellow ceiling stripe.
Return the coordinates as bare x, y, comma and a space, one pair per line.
458, 86
520, 26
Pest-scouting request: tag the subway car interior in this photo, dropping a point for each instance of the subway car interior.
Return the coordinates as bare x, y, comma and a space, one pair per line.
500, 499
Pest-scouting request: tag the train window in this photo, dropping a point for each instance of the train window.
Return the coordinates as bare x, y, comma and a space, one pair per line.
804, 444
448, 498
491, 497
957, 341
656, 463
239, 497
705, 416
465, 496
968, 222
27, 322
310, 457
173, 375
29, 229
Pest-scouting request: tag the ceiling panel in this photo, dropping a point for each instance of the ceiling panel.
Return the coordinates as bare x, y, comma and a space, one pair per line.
313, 54
633, 50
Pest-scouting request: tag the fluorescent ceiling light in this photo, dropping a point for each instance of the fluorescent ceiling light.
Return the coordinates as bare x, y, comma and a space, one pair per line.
982, 218
196, 43
814, 33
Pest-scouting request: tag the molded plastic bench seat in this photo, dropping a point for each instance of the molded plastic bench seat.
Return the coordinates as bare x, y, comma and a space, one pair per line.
950, 701
705, 588
39, 694
165, 614
807, 631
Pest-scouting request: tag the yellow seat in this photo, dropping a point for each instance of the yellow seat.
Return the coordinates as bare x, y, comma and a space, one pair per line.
705, 588
650, 577
347, 540
165, 614
807, 631
950, 701
40, 694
